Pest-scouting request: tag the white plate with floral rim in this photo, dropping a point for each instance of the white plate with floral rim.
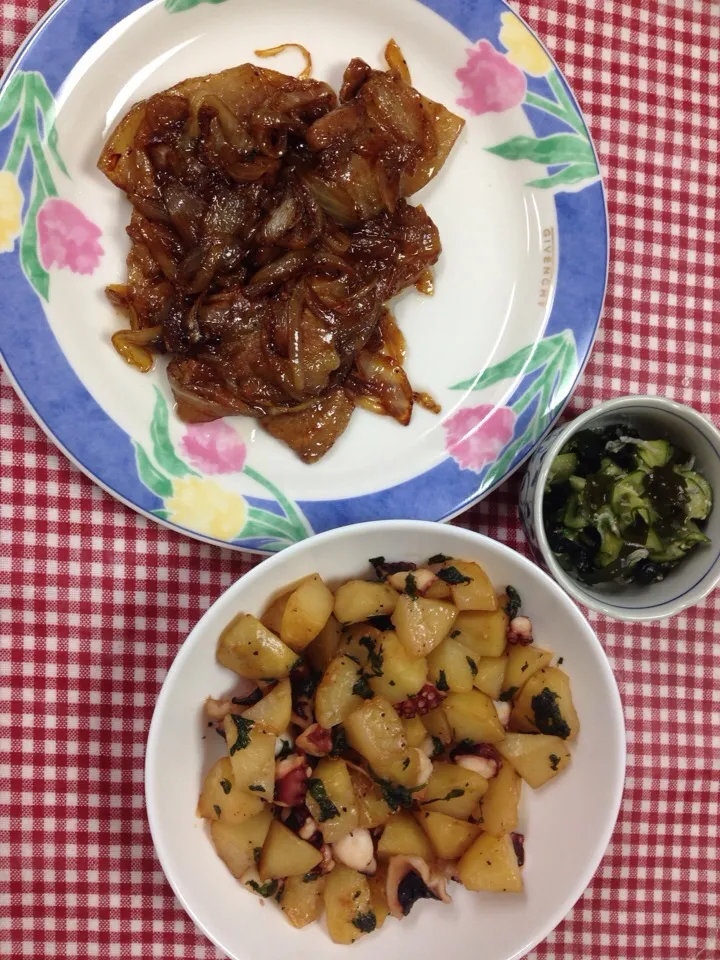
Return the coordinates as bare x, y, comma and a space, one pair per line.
519, 288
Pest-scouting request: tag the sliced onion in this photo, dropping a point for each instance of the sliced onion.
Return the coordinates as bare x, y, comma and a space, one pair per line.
196, 272
356, 74
151, 209
132, 346
234, 132
394, 343
200, 402
186, 211
281, 219
379, 377
281, 48
428, 402
426, 283
251, 170
280, 270
335, 125
333, 198
397, 62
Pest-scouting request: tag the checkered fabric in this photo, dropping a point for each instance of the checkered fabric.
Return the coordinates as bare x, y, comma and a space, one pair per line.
95, 601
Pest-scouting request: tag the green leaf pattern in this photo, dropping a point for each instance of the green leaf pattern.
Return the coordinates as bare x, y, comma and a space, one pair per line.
180, 6
555, 362
162, 445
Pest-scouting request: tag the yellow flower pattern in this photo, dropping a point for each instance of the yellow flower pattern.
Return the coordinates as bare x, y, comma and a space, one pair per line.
206, 507
523, 49
11, 202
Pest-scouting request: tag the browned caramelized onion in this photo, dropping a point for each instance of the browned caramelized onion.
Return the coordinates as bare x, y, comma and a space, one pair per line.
270, 226
281, 48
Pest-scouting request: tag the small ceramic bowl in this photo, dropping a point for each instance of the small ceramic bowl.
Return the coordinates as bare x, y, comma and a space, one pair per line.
696, 576
567, 823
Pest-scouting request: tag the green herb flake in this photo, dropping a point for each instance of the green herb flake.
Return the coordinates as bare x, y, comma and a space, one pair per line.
365, 922
406, 763
378, 563
455, 633
266, 889
456, 792
226, 785
453, 576
560, 661
394, 794
217, 809
339, 741
375, 656
257, 852
524, 667
439, 558
311, 877
285, 750
362, 688
256, 788
316, 789
554, 760
441, 683
473, 666
243, 728
438, 748
411, 588
514, 602
508, 694
548, 718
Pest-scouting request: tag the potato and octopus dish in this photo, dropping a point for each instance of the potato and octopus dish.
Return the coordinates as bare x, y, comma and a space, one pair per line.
270, 228
378, 747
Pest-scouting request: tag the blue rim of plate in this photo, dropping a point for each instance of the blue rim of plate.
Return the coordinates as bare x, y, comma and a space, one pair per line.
103, 451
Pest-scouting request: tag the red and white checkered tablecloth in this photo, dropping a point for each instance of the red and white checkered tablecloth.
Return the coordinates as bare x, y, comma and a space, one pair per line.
95, 600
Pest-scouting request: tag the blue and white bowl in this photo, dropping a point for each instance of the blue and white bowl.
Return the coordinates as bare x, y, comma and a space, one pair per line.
696, 576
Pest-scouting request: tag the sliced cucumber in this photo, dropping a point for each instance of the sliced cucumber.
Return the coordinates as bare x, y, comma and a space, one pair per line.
563, 466
700, 500
655, 453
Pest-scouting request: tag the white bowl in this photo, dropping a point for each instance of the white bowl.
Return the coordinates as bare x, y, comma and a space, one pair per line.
567, 823
696, 576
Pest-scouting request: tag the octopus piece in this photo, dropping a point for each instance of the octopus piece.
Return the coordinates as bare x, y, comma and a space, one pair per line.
502, 708
420, 703
520, 631
421, 582
356, 851
486, 768
384, 570
315, 740
217, 710
426, 767
410, 879
291, 775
